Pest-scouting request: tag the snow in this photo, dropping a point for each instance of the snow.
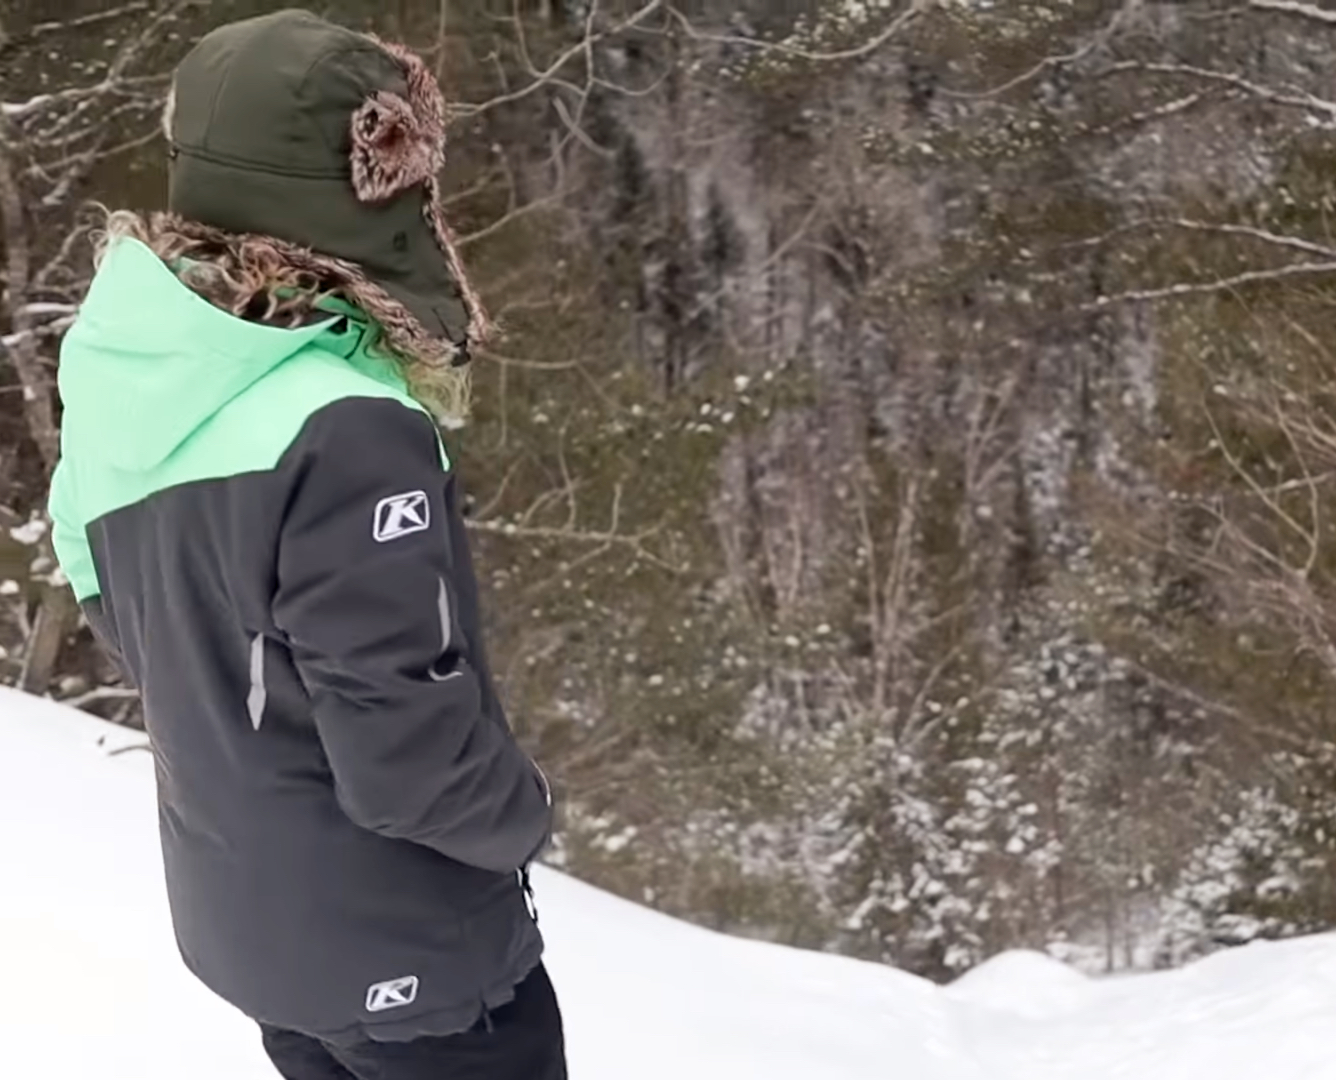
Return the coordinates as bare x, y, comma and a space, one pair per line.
93, 987
1051, 988
29, 533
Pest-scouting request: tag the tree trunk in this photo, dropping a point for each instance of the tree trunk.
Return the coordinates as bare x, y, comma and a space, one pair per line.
56, 609
55, 618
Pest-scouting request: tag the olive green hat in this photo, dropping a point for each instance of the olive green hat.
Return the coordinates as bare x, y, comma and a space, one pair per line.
327, 143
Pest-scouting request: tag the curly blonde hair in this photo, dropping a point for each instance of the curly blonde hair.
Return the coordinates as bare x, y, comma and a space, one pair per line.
262, 279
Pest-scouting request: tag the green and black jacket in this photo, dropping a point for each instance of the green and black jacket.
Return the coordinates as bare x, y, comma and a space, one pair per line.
262, 524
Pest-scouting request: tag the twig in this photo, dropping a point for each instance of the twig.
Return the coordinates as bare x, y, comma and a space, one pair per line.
1292, 7
101, 693
1198, 288
912, 12
112, 82
578, 132
1145, 116
1299, 100
500, 492
1296, 243
545, 76
542, 532
535, 365
509, 217
488, 179
42, 279
635, 541
771, 261
1102, 38
1247, 477
88, 20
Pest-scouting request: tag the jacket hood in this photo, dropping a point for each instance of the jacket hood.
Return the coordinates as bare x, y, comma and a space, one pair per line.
148, 360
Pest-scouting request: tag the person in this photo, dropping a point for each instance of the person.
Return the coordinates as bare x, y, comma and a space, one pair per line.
257, 512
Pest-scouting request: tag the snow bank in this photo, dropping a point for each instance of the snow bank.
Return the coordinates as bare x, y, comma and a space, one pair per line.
92, 988
1024, 983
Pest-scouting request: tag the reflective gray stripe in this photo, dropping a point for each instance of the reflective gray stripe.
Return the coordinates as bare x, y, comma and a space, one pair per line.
256, 698
443, 609
542, 776
447, 631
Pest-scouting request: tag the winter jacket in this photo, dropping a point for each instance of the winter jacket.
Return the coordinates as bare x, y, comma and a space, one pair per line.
263, 524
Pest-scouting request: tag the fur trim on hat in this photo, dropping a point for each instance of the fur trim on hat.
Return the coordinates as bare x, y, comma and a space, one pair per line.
389, 151
252, 263
398, 144
403, 332
480, 328
265, 280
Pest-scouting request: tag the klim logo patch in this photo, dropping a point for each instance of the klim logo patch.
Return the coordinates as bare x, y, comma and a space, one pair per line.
401, 515
394, 994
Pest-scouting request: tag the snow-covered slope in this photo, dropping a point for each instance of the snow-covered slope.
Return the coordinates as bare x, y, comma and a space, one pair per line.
91, 987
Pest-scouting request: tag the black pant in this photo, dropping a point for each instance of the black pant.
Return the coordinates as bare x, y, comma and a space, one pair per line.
519, 1041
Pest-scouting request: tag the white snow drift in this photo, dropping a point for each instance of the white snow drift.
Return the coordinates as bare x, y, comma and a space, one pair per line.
91, 987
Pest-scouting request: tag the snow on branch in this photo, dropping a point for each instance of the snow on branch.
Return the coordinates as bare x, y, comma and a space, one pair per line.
100, 694
49, 145
1252, 232
1300, 100
1293, 7
1200, 288
896, 26
551, 74
640, 21
599, 540
1097, 41
1147, 116
80, 22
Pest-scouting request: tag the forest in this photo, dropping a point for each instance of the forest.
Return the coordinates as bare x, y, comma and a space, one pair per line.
904, 486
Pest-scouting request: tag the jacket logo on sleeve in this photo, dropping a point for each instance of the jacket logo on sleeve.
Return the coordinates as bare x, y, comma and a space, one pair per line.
394, 994
400, 515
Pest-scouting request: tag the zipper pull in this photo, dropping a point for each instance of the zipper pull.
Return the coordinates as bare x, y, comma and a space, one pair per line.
529, 901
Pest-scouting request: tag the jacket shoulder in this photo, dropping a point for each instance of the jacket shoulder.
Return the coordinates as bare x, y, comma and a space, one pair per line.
263, 422
251, 433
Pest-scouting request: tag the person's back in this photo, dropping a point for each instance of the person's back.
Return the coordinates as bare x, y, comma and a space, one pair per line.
258, 516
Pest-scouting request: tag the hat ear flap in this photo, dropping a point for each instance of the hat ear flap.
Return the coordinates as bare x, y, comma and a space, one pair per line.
375, 145
391, 151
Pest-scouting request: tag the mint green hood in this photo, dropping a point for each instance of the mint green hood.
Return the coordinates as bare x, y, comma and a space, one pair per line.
148, 361
161, 388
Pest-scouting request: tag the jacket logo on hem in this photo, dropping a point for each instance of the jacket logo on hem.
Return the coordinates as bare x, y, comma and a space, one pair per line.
394, 994
400, 515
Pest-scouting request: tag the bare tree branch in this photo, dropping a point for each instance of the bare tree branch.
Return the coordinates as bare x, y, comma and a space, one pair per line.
22, 342
535, 365
1292, 7
611, 537
1198, 288
1252, 232
1299, 99
49, 144
1096, 42
915, 9
546, 76
100, 694
130, 748
83, 21
1146, 116
510, 217
1268, 500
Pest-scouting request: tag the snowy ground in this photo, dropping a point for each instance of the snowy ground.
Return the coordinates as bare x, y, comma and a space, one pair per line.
91, 987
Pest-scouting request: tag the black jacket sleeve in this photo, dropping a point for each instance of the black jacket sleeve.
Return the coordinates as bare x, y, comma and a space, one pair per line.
365, 599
